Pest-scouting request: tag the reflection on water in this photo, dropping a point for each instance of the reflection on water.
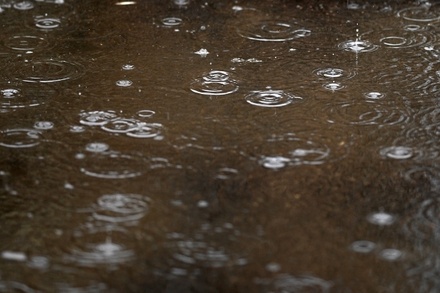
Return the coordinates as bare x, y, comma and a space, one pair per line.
219, 146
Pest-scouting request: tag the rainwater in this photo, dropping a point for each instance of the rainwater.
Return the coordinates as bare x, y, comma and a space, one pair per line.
219, 146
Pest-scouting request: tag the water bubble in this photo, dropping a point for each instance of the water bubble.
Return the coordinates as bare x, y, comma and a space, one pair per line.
215, 83
97, 147
358, 46
49, 70
397, 152
26, 43
23, 5
124, 83
97, 118
43, 125
390, 254
273, 31
381, 219
19, 138
276, 162
119, 125
121, 208
271, 98
363, 246
145, 130
128, 67
171, 21
374, 95
145, 113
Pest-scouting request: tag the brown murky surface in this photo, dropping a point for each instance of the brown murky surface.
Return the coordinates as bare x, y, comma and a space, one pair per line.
219, 146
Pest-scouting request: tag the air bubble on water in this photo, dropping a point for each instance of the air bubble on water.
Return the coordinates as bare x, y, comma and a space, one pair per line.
97, 118
23, 5
44, 125
390, 254
358, 46
127, 67
374, 95
124, 83
397, 152
363, 246
274, 162
145, 113
171, 21
381, 219
97, 147
271, 98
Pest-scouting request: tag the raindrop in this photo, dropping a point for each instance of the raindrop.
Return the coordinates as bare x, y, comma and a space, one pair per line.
202, 204
171, 21
215, 83
273, 31
274, 162
19, 138
127, 67
43, 125
119, 125
97, 147
23, 97
202, 52
271, 98
47, 23
330, 72
358, 46
121, 208
363, 246
397, 152
374, 95
145, 113
381, 219
97, 118
23, 5
333, 86
124, 83
390, 254
77, 128
145, 130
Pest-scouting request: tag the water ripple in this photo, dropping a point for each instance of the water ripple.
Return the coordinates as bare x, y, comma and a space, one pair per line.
271, 98
47, 70
20, 138
214, 83
273, 31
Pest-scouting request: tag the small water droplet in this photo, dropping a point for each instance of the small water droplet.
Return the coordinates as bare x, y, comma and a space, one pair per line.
374, 95
97, 147
171, 21
274, 162
358, 46
270, 98
397, 152
333, 86
127, 67
390, 254
381, 219
43, 125
124, 83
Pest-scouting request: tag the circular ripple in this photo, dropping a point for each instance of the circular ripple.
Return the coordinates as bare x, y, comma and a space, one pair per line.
119, 125
44, 125
26, 42
391, 38
215, 83
124, 83
273, 31
363, 246
19, 138
357, 113
358, 46
47, 23
397, 152
171, 21
426, 13
100, 249
334, 73
97, 118
121, 208
270, 98
48, 71
97, 147
112, 165
23, 5
145, 130
15, 95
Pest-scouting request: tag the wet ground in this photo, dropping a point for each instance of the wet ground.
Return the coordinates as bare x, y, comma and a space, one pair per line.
219, 146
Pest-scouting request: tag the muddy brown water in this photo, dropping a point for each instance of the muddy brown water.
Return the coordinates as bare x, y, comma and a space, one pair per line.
219, 146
